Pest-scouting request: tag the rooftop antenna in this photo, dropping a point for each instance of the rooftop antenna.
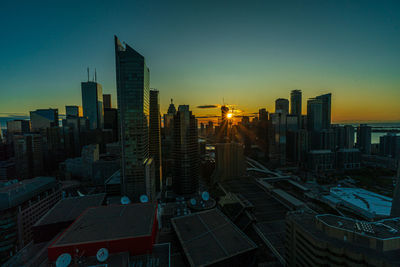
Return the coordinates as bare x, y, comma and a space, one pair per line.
95, 75
171, 101
88, 74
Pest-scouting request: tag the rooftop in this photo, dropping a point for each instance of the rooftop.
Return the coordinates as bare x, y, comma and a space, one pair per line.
209, 237
68, 209
110, 223
363, 201
15, 193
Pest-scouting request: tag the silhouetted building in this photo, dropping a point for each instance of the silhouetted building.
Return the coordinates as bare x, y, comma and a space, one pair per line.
155, 137
185, 180
111, 122
314, 114
133, 91
321, 160
28, 149
344, 136
73, 111
262, 114
107, 101
364, 138
389, 145
229, 161
17, 127
282, 105
43, 118
348, 159
326, 110
296, 105
223, 133
92, 102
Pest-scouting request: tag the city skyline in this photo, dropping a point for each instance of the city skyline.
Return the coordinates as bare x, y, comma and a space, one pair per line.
246, 58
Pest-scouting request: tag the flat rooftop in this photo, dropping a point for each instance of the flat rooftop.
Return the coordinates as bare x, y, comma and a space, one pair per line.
209, 237
16, 192
68, 209
110, 223
363, 200
383, 229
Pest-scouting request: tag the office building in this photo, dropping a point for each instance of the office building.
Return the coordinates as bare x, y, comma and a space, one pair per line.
185, 180
17, 127
107, 101
132, 76
262, 114
155, 136
28, 149
282, 106
348, 159
22, 204
229, 161
223, 133
73, 111
330, 240
321, 160
92, 103
43, 118
364, 138
344, 136
314, 114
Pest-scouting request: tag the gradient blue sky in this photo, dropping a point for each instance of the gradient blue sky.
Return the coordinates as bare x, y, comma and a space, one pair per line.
200, 52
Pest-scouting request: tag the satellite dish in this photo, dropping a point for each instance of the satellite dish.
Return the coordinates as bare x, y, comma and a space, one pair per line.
63, 260
102, 255
205, 196
193, 202
125, 200
144, 199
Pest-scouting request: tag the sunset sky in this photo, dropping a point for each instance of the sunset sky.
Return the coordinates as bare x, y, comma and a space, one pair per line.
243, 53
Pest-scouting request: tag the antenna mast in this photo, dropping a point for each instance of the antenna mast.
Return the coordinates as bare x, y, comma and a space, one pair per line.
88, 74
95, 75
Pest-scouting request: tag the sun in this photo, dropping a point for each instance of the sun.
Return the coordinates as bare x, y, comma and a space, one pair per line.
229, 115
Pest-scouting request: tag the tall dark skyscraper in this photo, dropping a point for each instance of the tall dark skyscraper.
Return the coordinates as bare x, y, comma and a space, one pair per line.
282, 105
326, 110
73, 111
185, 180
224, 125
107, 101
314, 114
364, 138
155, 136
132, 76
92, 102
295, 105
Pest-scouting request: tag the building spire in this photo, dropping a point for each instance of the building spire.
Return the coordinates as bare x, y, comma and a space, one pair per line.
87, 73
95, 75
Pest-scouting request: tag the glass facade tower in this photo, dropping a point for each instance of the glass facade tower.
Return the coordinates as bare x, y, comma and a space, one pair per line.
133, 106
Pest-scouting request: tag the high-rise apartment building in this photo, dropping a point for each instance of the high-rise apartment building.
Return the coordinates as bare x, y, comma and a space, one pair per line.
17, 127
364, 138
185, 180
43, 118
282, 106
92, 102
132, 76
155, 136
326, 110
229, 160
314, 114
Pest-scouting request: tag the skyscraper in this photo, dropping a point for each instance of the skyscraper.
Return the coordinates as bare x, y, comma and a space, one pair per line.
295, 105
43, 118
92, 102
282, 105
155, 136
224, 125
185, 180
364, 138
326, 110
314, 114
132, 76
107, 101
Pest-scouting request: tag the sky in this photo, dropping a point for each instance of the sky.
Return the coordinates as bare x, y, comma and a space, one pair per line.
242, 53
